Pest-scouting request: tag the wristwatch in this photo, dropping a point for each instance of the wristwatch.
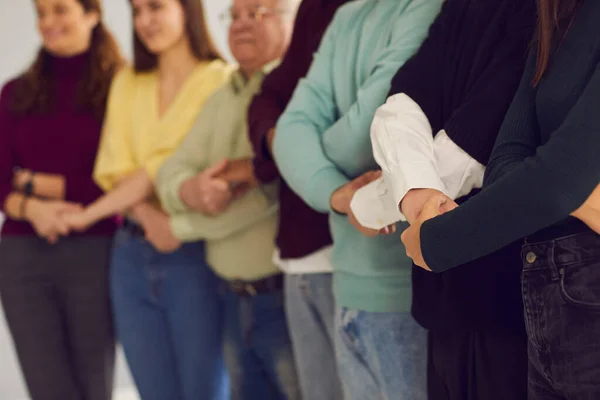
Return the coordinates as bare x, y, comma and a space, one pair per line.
28, 187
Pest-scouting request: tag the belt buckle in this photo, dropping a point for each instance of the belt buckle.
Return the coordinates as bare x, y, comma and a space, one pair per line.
241, 287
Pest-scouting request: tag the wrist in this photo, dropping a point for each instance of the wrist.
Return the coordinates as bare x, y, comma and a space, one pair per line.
31, 208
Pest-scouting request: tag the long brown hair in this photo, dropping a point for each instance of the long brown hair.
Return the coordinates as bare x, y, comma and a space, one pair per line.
554, 20
196, 29
33, 90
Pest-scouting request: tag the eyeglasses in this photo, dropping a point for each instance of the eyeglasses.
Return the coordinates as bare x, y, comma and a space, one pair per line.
255, 14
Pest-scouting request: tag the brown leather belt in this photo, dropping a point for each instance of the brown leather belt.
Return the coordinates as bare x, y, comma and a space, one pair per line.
270, 284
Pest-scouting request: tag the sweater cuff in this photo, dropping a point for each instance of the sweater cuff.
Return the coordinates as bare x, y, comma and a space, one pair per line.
322, 187
432, 245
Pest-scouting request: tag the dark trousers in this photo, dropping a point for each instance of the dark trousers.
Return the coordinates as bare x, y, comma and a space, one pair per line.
561, 294
477, 366
55, 299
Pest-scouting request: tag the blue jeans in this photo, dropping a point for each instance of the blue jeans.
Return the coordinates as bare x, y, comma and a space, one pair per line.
381, 356
310, 313
561, 295
257, 347
169, 320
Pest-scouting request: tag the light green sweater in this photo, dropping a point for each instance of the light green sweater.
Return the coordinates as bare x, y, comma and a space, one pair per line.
240, 241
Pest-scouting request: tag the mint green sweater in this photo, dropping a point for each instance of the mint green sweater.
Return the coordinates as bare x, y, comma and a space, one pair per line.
323, 139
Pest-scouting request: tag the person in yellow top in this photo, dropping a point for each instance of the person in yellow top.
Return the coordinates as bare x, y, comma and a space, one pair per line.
165, 301
219, 201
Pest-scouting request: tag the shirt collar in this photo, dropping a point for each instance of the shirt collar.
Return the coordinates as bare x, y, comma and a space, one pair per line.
239, 83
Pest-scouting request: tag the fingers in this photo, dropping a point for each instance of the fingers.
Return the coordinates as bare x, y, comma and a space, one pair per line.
448, 206
365, 179
216, 169
65, 207
433, 207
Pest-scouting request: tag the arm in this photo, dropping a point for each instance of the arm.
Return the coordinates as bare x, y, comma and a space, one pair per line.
179, 171
297, 147
554, 182
453, 162
252, 207
74, 187
129, 192
115, 159
409, 32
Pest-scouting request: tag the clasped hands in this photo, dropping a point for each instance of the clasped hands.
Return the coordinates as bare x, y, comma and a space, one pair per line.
213, 190
418, 206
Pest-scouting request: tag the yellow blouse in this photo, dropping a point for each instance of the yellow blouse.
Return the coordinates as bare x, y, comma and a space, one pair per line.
134, 136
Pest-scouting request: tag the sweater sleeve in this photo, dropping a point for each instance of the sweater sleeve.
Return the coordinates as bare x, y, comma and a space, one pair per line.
276, 90
554, 182
297, 147
491, 94
409, 32
190, 158
7, 161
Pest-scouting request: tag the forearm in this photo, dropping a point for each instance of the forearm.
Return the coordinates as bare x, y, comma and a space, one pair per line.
50, 186
131, 191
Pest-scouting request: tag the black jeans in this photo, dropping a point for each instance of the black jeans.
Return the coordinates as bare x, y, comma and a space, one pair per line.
561, 296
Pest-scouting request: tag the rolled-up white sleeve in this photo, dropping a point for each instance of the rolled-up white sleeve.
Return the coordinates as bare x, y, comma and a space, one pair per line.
410, 158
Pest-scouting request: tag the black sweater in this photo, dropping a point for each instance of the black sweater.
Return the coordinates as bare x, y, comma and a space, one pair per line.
464, 78
546, 161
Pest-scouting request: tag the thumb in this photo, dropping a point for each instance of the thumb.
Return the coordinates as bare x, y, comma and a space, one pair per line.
365, 179
433, 207
216, 169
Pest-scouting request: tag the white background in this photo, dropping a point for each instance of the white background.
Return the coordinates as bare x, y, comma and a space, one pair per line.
18, 45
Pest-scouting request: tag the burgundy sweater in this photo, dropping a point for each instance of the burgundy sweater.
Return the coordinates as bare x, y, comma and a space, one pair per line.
302, 230
62, 141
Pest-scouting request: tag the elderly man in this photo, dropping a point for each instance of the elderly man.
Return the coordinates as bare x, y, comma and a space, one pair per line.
213, 199
322, 143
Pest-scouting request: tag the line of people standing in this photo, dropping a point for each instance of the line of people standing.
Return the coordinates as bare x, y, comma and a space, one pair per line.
258, 253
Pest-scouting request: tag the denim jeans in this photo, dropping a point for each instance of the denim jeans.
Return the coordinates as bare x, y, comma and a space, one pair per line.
258, 350
561, 295
381, 356
169, 320
310, 313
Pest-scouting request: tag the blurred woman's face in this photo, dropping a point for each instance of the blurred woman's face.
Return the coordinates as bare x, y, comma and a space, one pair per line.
65, 27
159, 24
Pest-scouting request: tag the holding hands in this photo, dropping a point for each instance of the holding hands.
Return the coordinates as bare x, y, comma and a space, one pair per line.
342, 197
437, 204
212, 191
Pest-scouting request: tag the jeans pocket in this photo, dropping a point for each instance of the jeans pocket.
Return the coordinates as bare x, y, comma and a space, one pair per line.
580, 284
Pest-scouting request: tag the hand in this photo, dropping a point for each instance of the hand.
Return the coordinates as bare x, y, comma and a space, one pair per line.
206, 192
414, 200
157, 228
77, 220
46, 217
20, 178
411, 237
589, 212
240, 174
341, 198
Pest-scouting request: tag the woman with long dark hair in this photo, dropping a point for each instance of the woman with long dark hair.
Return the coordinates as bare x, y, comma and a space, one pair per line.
53, 284
544, 167
165, 300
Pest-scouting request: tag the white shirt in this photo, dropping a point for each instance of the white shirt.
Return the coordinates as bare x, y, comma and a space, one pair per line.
315, 263
411, 158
